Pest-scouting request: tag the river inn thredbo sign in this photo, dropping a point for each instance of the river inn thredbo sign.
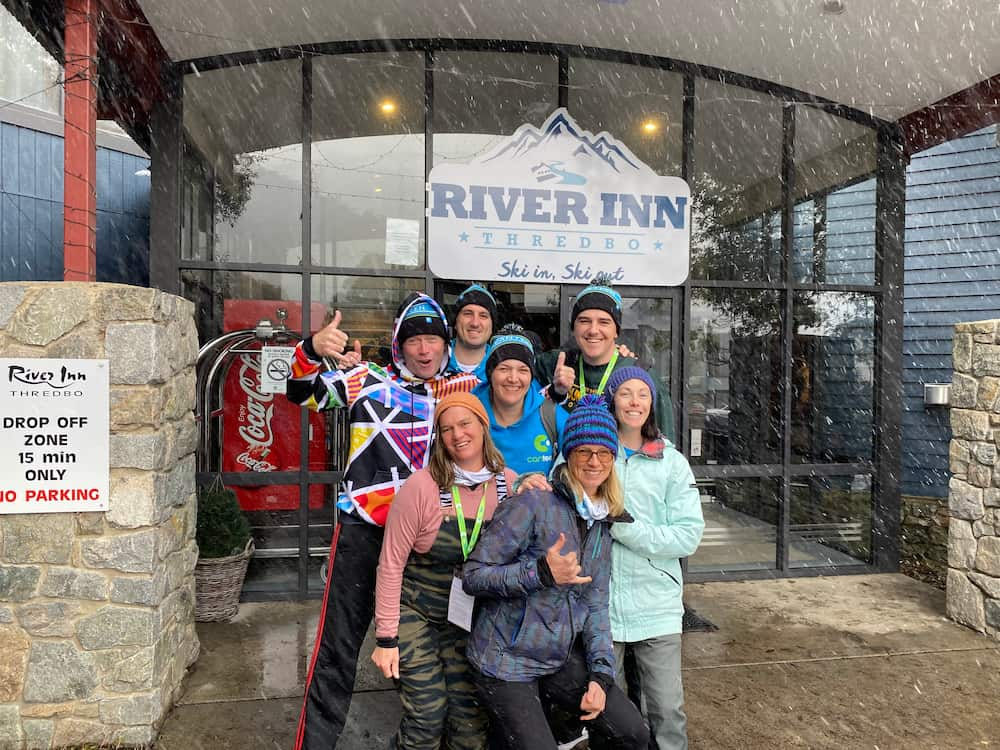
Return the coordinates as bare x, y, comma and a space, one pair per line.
558, 204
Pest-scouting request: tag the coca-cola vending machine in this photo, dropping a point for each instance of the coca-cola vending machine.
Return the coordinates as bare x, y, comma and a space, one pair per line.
260, 431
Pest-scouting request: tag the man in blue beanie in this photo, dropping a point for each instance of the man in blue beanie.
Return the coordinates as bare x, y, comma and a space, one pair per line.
596, 322
476, 318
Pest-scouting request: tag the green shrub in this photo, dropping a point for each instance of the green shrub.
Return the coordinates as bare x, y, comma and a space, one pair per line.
222, 528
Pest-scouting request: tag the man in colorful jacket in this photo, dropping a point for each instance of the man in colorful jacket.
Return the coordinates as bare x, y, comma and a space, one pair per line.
391, 416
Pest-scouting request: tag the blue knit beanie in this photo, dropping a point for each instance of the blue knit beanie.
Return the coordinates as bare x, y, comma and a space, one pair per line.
599, 296
590, 423
477, 294
622, 374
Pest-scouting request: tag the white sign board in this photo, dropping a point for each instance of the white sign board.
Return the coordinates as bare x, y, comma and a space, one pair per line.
558, 204
275, 366
54, 435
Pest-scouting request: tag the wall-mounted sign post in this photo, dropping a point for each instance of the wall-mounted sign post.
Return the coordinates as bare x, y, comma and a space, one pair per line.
54, 435
558, 204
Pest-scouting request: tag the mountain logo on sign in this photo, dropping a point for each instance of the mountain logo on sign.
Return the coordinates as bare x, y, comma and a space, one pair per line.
566, 150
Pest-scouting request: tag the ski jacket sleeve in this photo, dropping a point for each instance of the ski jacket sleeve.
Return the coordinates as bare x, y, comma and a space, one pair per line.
309, 385
498, 565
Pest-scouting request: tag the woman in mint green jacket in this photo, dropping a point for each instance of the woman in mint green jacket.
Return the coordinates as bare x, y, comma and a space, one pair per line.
646, 583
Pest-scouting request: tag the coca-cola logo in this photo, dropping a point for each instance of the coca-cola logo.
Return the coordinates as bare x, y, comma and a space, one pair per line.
254, 464
259, 407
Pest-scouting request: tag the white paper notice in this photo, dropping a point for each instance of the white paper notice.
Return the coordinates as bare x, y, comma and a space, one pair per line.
695, 443
275, 366
460, 605
402, 241
54, 435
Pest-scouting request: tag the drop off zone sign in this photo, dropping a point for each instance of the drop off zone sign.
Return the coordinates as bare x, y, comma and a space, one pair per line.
54, 434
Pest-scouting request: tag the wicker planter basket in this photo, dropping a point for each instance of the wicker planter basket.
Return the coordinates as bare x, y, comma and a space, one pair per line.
218, 582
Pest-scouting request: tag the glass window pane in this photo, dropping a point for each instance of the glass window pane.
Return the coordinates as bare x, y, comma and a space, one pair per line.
735, 381
322, 519
197, 206
368, 161
481, 97
834, 236
741, 519
833, 375
642, 107
246, 124
647, 327
736, 185
233, 300
831, 521
273, 512
28, 74
367, 305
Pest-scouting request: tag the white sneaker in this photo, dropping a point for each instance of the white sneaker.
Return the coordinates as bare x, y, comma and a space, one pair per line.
575, 742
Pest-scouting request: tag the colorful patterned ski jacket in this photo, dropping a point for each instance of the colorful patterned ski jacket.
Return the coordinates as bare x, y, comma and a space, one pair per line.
525, 625
391, 414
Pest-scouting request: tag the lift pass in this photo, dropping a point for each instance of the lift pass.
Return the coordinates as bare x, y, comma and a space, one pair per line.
460, 605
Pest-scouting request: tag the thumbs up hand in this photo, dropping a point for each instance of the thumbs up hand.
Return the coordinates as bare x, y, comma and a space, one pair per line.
330, 341
562, 377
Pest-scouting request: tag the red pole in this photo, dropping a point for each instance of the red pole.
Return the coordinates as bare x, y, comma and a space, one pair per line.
80, 160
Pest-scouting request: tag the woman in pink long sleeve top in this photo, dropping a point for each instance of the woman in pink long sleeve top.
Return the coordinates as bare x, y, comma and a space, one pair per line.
434, 523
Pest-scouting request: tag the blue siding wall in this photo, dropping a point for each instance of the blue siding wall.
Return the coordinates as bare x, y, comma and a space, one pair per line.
31, 198
952, 275
122, 218
31, 203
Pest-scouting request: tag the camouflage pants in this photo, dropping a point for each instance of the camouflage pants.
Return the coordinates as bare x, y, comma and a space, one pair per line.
440, 708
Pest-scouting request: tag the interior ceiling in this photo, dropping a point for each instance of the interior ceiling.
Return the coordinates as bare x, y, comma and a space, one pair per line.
885, 57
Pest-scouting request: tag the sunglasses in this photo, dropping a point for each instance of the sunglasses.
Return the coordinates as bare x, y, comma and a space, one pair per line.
583, 455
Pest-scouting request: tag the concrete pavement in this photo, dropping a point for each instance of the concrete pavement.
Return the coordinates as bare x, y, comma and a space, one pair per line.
867, 662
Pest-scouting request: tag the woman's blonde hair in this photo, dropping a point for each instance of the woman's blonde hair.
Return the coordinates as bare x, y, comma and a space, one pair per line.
442, 467
611, 490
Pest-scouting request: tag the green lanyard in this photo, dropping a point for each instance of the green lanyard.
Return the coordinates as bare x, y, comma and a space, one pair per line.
460, 517
604, 380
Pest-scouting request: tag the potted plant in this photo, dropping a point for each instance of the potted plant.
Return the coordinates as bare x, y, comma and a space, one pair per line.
224, 548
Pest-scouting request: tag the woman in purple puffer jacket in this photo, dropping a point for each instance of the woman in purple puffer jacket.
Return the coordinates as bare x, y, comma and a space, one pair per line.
541, 574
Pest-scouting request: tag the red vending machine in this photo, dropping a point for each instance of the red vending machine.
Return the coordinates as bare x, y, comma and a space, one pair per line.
260, 431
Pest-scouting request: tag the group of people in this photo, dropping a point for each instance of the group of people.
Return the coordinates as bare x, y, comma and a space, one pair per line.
512, 520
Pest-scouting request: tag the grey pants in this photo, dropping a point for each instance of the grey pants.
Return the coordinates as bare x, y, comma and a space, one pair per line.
658, 661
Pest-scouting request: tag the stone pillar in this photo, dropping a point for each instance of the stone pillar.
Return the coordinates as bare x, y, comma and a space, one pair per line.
974, 490
97, 609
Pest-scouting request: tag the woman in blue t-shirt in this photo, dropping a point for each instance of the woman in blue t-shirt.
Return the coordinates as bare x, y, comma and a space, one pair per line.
523, 423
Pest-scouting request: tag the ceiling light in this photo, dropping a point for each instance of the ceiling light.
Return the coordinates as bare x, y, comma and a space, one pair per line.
388, 107
378, 190
833, 7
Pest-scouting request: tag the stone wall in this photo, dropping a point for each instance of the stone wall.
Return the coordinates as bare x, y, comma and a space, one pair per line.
974, 490
97, 609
